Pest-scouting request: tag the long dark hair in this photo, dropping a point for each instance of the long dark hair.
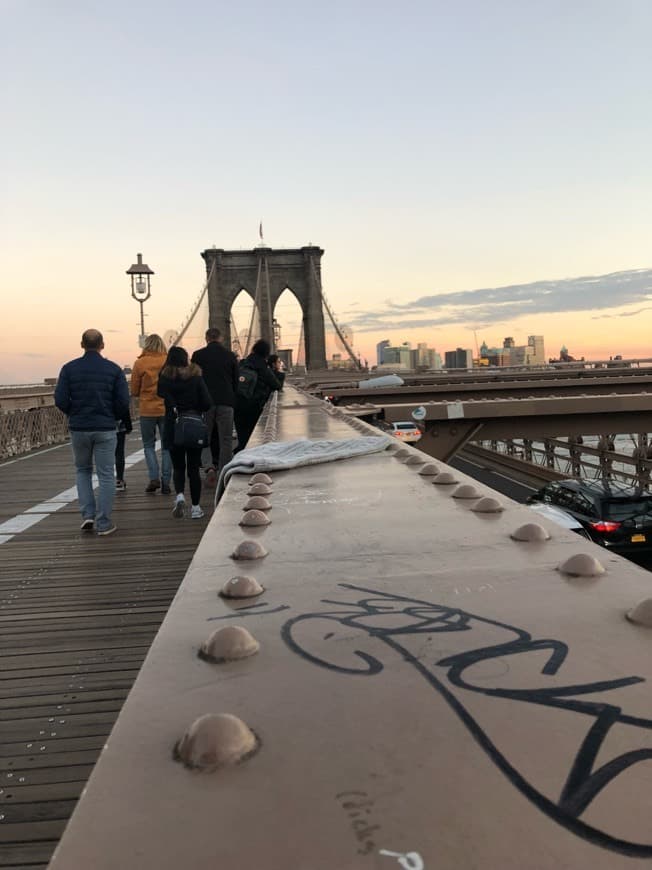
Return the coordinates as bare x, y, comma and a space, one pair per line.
177, 365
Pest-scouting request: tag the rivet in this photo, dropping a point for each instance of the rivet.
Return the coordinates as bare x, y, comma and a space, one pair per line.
429, 469
257, 503
255, 518
259, 489
444, 478
249, 550
403, 453
260, 477
530, 532
488, 505
214, 741
241, 586
414, 460
581, 565
229, 644
642, 613
467, 490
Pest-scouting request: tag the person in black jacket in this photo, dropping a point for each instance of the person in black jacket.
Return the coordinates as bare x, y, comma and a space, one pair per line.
276, 365
219, 368
182, 387
248, 408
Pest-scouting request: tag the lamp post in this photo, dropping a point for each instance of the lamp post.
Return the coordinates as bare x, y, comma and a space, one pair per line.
140, 290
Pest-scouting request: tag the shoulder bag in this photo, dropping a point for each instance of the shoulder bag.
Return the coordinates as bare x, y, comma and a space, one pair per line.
190, 430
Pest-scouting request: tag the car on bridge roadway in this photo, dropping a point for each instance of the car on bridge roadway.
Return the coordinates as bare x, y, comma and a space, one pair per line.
406, 431
612, 514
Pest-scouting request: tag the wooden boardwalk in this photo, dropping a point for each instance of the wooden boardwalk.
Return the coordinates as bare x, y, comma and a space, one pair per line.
78, 614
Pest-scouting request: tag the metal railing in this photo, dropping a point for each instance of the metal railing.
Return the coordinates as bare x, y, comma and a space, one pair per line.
25, 430
573, 458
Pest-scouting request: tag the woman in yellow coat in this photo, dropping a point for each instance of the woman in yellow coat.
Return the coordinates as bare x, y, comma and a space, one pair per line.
144, 385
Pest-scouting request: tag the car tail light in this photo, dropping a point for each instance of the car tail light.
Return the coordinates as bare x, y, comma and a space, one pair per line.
605, 526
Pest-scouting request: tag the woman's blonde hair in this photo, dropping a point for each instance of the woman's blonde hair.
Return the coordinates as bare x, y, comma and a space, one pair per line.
155, 343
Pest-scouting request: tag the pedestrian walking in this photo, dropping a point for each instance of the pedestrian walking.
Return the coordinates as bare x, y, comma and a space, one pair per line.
123, 427
256, 381
144, 385
183, 390
219, 368
92, 391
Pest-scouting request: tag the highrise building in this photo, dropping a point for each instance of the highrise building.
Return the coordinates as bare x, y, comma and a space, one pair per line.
460, 358
380, 347
536, 355
399, 355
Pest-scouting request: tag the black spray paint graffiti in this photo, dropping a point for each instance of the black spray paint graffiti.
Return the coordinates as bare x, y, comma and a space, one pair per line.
389, 618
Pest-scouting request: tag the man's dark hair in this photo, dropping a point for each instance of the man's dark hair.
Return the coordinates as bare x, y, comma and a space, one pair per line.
92, 339
261, 348
213, 334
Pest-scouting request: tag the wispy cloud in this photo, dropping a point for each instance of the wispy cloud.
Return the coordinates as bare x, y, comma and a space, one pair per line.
493, 305
621, 314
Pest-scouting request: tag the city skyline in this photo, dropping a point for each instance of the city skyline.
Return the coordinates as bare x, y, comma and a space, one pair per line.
454, 176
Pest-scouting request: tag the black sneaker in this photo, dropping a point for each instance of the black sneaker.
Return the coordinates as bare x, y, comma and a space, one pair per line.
108, 531
120, 486
153, 485
87, 525
165, 488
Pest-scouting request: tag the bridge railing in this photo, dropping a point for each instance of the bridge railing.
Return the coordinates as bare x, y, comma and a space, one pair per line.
25, 430
576, 459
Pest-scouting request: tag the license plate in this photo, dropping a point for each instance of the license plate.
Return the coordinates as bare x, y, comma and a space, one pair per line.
638, 539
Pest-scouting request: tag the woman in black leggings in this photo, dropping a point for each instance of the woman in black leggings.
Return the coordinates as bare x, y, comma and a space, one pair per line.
182, 387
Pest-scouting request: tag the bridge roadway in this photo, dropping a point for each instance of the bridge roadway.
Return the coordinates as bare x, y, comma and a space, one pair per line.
450, 425
428, 693
473, 385
78, 614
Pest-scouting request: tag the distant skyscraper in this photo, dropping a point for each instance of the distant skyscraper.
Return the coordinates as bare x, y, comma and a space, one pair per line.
461, 358
399, 355
536, 355
380, 347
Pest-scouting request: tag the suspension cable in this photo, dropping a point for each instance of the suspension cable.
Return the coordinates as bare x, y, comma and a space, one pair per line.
336, 325
195, 309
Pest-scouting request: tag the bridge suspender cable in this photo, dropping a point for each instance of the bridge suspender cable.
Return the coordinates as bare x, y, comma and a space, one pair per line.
336, 326
195, 309
269, 307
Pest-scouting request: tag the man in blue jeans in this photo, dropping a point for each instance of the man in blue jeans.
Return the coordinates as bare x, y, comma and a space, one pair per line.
92, 391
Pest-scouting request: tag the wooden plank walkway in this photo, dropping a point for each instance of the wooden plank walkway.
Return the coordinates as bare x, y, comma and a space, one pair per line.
77, 614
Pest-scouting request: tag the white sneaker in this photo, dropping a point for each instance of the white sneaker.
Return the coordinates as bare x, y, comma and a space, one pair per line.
196, 513
179, 508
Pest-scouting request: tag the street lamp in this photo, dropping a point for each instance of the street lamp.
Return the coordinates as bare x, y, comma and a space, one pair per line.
140, 289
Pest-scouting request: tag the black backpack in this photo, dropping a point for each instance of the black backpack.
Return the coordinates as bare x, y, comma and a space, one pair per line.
247, 380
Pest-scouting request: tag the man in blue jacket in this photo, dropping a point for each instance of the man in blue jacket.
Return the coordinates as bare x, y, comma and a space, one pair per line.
92, 391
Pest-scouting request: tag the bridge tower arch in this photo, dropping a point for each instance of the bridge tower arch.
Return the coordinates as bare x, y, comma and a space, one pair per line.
265, 273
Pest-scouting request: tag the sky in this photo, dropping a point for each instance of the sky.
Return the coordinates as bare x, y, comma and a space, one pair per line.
482, 164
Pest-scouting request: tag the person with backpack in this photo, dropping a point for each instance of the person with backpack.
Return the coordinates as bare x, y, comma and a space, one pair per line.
256, 382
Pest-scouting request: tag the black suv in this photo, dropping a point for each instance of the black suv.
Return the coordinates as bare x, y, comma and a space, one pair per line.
614, 515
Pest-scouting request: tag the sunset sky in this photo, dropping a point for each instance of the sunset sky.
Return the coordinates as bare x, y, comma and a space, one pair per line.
464, 165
